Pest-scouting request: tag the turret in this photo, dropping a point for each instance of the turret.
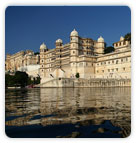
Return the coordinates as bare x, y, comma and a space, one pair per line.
121, 38
43, 49
100, 45
74, 45
59, 43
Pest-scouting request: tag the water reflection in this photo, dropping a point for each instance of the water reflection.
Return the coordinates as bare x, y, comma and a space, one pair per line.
88, 112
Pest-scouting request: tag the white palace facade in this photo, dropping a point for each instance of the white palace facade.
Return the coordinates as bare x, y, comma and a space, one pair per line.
86, 57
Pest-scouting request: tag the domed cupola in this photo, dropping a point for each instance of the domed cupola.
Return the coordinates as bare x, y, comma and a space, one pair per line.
121, 38
59, 41
74, 33
30, 54
43, 46
100, 39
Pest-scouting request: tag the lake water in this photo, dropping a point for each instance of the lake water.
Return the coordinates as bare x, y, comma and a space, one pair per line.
68, 112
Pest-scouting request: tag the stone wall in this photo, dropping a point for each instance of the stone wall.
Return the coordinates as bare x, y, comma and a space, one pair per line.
67, 82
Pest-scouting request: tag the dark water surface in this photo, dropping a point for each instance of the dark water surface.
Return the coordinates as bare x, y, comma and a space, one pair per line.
68, 112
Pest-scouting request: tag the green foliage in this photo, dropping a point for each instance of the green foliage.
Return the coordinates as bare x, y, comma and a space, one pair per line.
9, 80
37, 80
127, 37
77, 75
20, 79
36, 53
29, 81
109, 49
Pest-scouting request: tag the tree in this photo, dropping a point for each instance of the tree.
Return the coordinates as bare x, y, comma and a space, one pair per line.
9, 80
127, 37
109, 49
77, 75
37, 81
21, 78
29, 81
36, 53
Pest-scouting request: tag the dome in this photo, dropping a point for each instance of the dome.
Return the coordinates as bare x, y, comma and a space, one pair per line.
59, 41
30, 53
43, 46
121, 38
100, 39
74, 33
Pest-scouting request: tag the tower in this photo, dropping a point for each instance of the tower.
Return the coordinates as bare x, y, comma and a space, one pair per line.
74, 49
100, 45
43, 49
59, 44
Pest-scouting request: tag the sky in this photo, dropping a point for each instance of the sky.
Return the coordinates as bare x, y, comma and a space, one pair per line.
27, 27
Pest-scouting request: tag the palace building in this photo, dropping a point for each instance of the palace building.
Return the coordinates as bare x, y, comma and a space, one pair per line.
86, 57
81, 55
23, 61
